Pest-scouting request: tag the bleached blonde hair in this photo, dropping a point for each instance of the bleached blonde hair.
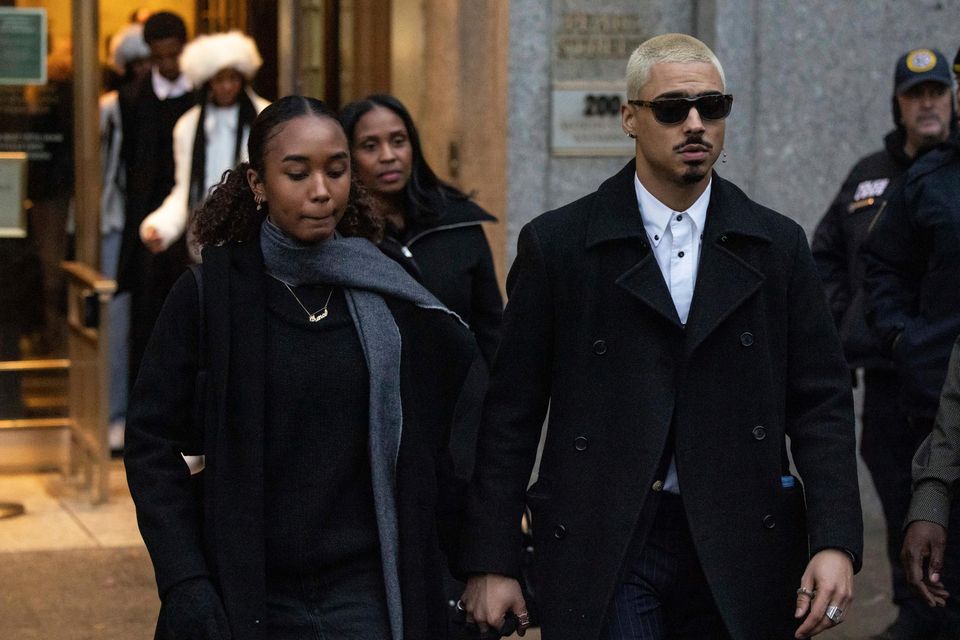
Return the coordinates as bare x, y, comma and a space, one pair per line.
669, 47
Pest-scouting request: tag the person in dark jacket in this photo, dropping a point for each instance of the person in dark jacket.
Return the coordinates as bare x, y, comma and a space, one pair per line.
149, 109
432, 228
917, 307
679, 336
888, 441
319, 381
912, 276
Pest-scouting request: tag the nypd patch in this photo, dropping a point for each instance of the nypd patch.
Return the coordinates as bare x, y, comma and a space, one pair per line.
871, 188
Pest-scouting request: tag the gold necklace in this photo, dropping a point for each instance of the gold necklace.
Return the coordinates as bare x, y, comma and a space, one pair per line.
317, 315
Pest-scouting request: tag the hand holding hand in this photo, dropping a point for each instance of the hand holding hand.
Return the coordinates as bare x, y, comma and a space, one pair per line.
924, 543
827, 582
489, 596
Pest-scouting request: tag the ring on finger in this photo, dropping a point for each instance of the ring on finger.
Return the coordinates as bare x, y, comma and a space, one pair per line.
835, 614
523, 620
803, 591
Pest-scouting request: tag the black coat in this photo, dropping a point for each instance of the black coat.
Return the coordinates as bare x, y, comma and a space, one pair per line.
591, 330
147, 155
912, 276
450, 256
837, 241
213, 526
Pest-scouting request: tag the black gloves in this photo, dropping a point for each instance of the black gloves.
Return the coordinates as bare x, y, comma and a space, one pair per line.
192, 610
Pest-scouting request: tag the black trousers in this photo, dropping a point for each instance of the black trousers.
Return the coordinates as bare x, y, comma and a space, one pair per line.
887, 446
664, 593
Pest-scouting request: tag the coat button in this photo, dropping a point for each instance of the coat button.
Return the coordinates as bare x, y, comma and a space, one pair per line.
657, 486
560, 532
600, 347
769, 522
746, 339
580, 443
759, 432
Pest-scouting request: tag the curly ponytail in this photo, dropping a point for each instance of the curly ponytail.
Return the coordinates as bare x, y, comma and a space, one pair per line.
229, 214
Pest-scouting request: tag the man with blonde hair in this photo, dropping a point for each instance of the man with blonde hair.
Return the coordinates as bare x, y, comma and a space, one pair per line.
679, 334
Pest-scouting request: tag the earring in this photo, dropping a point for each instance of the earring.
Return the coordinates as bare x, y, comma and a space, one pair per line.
259, 200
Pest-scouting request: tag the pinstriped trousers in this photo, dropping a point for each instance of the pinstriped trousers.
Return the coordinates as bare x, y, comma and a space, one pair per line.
664, 594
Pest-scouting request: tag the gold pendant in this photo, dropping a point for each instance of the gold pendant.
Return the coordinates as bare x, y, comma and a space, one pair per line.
317, 317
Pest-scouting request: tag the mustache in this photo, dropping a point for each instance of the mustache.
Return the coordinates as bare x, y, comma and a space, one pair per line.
694, 141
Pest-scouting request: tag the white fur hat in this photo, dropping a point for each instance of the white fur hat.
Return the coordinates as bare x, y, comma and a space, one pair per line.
205, 56
126, 46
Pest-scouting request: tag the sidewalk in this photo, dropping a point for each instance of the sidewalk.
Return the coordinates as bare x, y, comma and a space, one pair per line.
70, 571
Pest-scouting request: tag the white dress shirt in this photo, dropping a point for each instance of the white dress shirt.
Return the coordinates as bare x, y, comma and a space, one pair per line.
675, 238
169, 88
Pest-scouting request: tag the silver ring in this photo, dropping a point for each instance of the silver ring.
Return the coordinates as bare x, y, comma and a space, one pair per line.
835, 614
460, 605
803, 591
523, 620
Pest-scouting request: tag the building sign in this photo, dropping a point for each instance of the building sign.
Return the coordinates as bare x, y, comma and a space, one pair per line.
585, 119
13, 186
591, 36
23, 46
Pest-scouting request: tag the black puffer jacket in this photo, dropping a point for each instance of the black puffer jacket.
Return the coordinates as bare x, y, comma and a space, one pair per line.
912, 281
837, 241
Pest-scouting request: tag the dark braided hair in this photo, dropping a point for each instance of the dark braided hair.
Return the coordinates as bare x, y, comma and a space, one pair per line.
229, 214
198, 161
424, 187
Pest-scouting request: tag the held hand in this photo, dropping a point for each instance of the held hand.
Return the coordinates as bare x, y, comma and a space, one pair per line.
489, 596
152, 240
924, 543
827, 582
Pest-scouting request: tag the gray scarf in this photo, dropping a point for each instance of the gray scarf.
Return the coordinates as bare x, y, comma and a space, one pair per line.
366, 275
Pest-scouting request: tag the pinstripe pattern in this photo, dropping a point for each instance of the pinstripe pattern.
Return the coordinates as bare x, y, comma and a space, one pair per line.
665, 594
936, 466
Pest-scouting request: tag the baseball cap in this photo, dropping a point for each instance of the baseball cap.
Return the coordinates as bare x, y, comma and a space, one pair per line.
921, 65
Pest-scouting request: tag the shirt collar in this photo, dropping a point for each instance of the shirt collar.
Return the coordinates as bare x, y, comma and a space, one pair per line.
166, 89
656, 215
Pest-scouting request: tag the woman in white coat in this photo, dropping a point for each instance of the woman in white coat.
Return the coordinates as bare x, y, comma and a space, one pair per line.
221, 65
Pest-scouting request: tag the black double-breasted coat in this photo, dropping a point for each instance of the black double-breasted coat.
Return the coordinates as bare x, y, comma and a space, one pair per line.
211, 525
590, 330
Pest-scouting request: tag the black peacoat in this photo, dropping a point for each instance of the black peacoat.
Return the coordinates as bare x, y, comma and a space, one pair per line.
590, 330
211, 525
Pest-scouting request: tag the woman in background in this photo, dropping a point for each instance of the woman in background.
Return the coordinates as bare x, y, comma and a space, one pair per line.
319, 380
129, 62
432, 228
222, 66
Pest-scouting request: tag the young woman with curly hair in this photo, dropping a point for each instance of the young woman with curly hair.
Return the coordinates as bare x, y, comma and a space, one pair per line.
319, 381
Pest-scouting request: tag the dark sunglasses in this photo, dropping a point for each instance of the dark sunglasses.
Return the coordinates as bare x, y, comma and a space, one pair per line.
713, 106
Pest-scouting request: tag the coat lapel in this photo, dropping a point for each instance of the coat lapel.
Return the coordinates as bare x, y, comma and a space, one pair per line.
616, 217
725, 279
237, 318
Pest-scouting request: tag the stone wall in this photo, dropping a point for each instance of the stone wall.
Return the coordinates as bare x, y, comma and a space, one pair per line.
812, 82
